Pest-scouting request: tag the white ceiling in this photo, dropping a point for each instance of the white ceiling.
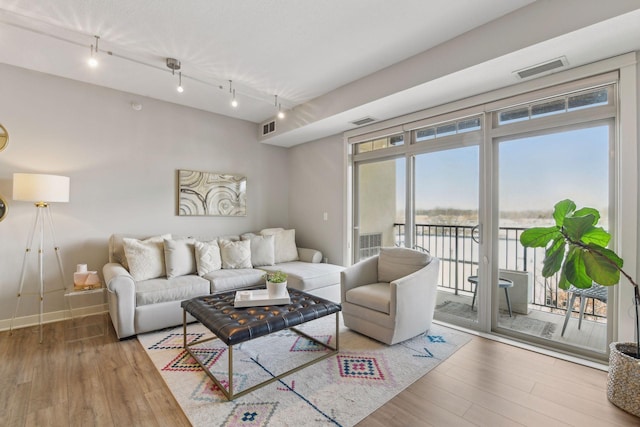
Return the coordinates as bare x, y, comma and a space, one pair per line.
296, 49
310, 53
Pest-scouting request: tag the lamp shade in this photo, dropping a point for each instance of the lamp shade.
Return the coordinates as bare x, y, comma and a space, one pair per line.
31, 187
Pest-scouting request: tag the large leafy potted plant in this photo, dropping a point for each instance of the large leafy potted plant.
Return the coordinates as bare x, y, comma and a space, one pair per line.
576, 247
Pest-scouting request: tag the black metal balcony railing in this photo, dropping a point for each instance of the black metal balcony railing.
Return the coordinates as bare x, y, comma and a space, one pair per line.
459, 254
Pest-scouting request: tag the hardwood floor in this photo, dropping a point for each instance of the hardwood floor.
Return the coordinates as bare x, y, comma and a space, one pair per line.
105, 382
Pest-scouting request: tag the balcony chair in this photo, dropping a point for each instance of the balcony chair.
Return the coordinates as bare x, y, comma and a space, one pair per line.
596, 291
390, 297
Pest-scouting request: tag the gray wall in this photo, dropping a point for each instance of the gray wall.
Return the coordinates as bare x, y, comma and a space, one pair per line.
122, 164
316, 186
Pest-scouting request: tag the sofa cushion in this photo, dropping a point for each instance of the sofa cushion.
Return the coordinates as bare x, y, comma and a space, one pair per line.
285, 244
179, 257
155, 291
145, 257
116, 247
207, 257
306, 276
394, 263
262, 249
228, 280
376, 296
235, 254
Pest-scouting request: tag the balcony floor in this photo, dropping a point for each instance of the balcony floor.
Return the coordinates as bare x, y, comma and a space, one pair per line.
591, 336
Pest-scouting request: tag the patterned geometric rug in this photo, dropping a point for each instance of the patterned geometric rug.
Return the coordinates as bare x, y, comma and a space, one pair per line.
340, 390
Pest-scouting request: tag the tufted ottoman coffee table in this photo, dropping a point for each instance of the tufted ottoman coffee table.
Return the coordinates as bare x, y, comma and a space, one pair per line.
236, 325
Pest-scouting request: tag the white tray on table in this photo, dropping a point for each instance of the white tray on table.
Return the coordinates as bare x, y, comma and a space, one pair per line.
258, 298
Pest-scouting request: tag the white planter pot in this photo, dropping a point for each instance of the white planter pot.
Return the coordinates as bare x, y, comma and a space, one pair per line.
277, 290
623, 381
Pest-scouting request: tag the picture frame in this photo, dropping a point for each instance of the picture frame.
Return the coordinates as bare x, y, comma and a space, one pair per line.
211, 194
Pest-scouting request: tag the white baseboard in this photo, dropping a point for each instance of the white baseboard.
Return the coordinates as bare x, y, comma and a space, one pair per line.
55, 316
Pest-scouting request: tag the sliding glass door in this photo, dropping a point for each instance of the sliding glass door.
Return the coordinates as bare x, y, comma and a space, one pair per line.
536, 172
446, 220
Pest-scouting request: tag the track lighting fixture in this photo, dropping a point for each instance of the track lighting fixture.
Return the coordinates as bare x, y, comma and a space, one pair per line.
174, 65
279, 107
232, 91
93, 61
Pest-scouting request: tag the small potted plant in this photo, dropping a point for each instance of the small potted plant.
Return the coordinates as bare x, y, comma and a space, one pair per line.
276, 283
576, 248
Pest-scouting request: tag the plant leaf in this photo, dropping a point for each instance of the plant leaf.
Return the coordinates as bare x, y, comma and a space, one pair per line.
563, 283
539, 237
597, 236
587, 211
576, 227
553, 257
575, 270
603, 265
562, 209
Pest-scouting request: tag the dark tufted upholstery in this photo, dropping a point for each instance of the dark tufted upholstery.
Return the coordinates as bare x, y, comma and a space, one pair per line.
235, 325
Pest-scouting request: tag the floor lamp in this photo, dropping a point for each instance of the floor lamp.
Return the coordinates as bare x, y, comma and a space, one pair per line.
41, 189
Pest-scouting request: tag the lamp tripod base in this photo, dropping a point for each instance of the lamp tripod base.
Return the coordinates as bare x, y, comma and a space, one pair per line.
42, 211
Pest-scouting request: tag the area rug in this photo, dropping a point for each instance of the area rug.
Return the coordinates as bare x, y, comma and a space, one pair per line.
517, 322
340, 390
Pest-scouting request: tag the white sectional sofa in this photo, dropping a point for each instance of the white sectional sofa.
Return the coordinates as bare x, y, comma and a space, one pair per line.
147, 278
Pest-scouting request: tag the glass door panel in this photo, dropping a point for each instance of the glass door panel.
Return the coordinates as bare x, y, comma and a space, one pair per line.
446, 219
535, 173
380, 195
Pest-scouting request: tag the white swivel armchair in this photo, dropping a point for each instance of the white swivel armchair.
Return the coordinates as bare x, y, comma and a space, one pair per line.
390, 297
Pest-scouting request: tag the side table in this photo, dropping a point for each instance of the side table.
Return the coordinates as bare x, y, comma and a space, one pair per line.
80, 326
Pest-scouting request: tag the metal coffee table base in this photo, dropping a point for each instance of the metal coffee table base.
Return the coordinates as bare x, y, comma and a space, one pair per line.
228, 392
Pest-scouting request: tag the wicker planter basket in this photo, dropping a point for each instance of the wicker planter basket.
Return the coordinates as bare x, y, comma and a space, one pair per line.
623, 382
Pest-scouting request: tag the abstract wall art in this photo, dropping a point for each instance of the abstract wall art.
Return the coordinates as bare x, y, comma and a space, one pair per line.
213, 194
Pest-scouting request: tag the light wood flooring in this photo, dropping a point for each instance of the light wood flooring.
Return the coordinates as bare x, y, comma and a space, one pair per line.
105, 382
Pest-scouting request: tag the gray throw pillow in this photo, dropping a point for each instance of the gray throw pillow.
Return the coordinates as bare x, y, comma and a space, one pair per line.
179, 256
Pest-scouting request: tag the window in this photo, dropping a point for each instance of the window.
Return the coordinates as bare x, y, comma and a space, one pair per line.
447, 129
380, 144
572, 102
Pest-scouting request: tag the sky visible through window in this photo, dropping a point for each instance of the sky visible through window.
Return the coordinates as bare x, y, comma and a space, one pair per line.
535, 173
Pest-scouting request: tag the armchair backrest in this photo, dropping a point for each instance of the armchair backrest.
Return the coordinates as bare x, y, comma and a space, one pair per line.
394, 263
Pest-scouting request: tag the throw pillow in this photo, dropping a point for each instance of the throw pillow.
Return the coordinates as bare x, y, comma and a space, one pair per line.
270, 231
207, 257
394, 263
285, 245
235, 254
179, 256
262, 249
145, 257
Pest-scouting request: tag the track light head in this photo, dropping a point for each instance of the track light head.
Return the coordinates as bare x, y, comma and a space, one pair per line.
180, 88
93, 60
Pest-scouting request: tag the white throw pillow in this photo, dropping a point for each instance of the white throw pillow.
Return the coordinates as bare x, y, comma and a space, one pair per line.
262, 249
207, 257
270, 231
235, 254
145, 257
285, 244
394, 263
179, 256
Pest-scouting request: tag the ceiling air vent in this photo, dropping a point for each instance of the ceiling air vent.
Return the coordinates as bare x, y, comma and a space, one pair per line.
363, 121
268, 127
544, 68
